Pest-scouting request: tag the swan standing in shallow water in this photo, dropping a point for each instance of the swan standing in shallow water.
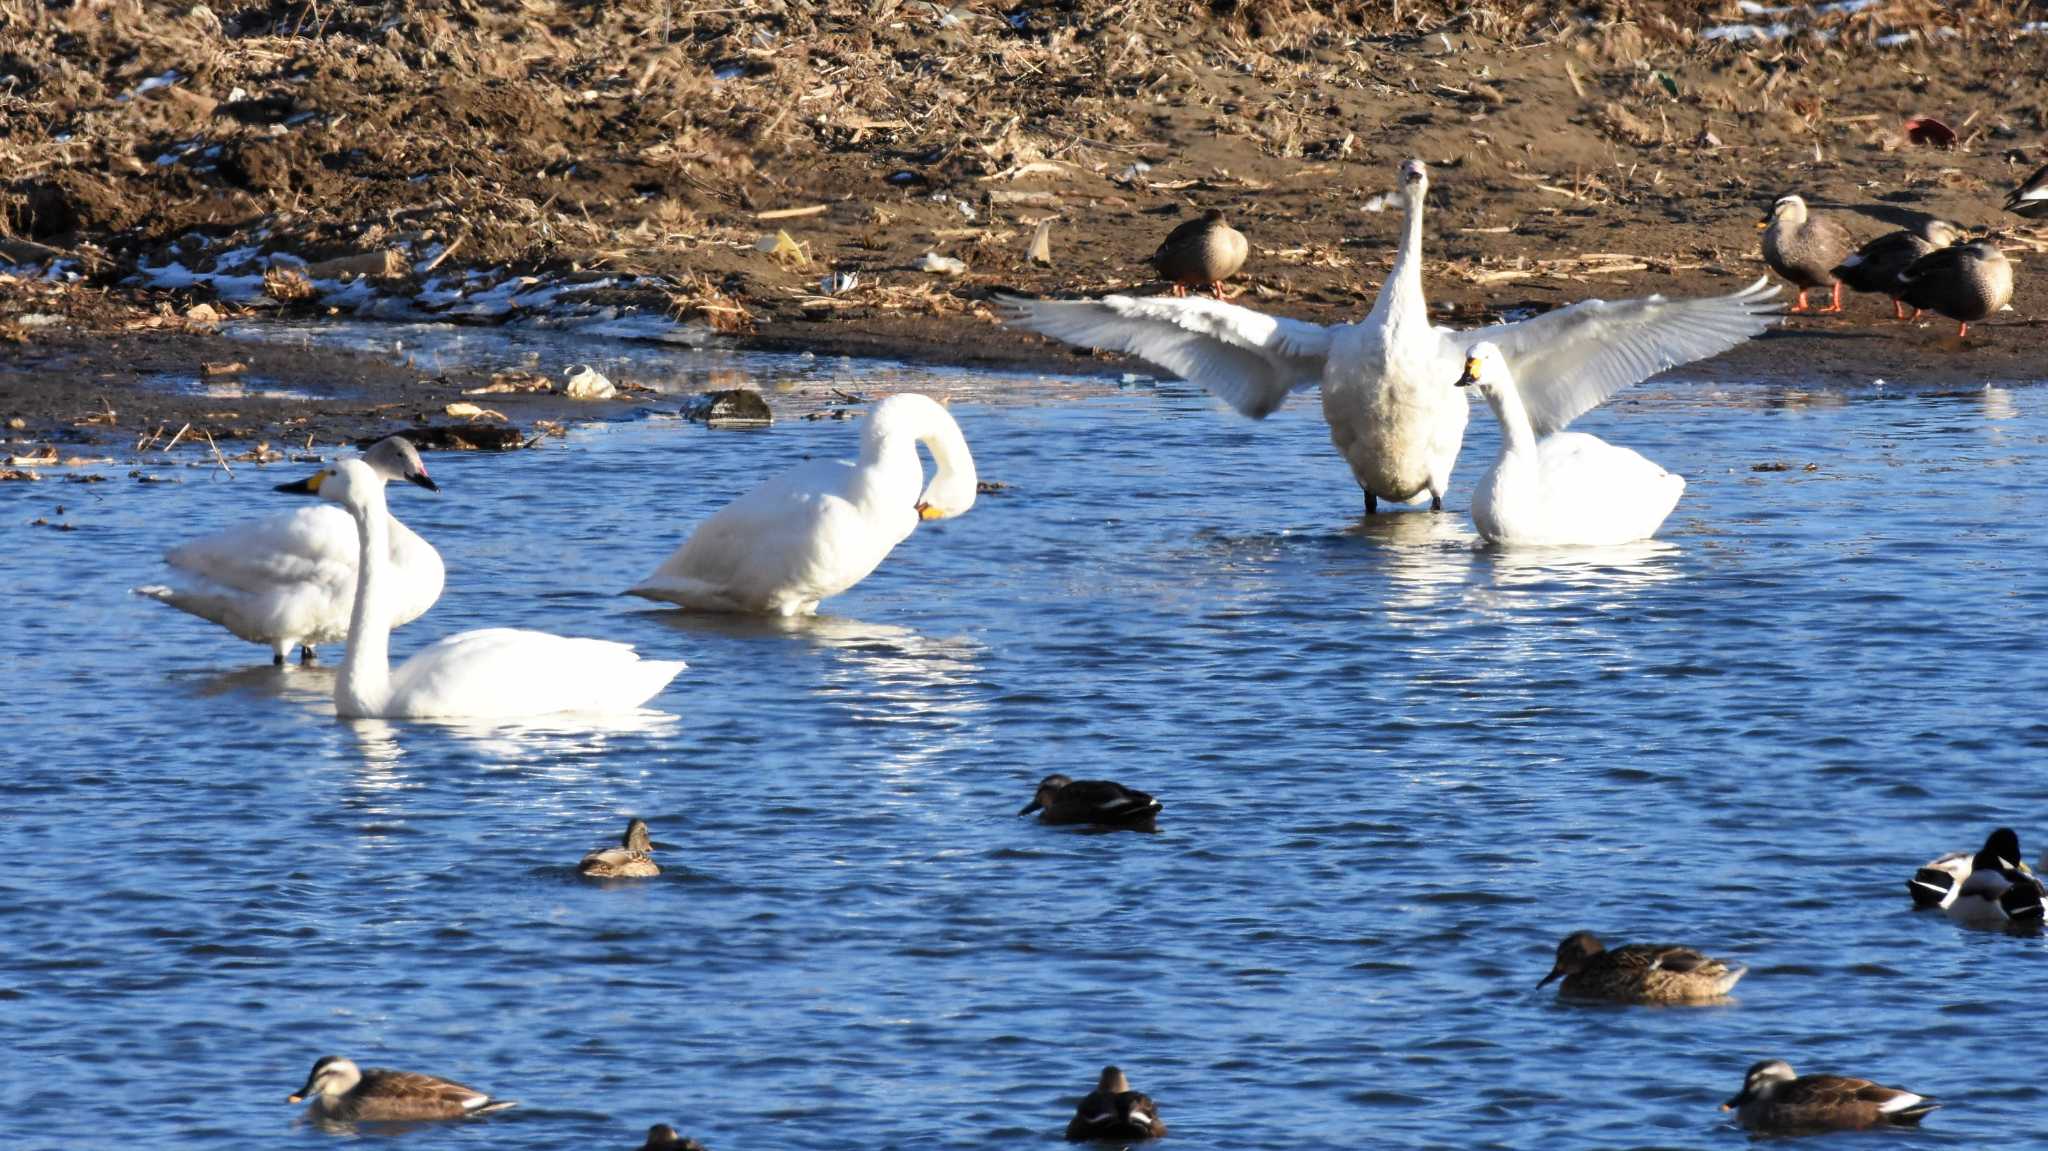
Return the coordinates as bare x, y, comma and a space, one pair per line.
289, 580
821, 527
494, 673
1566, 488
1386, 379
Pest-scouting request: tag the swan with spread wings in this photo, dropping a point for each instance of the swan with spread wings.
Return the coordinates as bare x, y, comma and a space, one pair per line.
1388, 381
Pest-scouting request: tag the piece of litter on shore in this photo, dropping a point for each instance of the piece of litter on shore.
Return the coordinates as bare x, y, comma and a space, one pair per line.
587, 383
731, 408
468, 411
1041, 244
942, 265
839, 283
222, 368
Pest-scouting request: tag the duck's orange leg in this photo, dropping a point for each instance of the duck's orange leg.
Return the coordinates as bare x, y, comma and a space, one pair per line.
1834, 300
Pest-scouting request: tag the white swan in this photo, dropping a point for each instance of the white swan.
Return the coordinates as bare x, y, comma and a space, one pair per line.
1386, 379
820, 528
1566, 488
495, 673
290, 579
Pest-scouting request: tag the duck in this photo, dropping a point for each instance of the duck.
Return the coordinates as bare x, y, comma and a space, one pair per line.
632, 859
288, 580
1096, 801
1965, 282
492, 673
1998, 892
1639, 972
1875, 266
2030, 199
1384, 379
1565, 489
343, 1093
818, 529
1201, 253
1774, 1100
1805, 249
1937, 883
662, 1137
1115, 1113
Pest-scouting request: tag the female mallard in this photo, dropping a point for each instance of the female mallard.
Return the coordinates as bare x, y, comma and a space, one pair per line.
1875, 267
2031, 198
344, 1093
1965, 283
1805, 249
1201, 254
1114, 1112
1639, 972
662, 1137
1096, 801
1775, 1100
632, 859
1938, 883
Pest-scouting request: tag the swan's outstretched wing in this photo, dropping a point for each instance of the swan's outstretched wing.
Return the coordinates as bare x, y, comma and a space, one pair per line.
1567, 361
1248, 359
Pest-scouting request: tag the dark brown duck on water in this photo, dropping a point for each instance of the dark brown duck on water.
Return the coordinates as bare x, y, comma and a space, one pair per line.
1201, 253
1095, 801
1115, 1113
1773, 1099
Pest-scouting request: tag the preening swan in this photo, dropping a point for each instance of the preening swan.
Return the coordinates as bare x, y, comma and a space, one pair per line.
819, 528
1566, 488
290, 579
1386, 379
495, 673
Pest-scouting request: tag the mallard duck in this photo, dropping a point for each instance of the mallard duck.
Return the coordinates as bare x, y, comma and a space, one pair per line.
821, 527
1386, 380
1639, 972
632, 859
1875, 267
1114, 1112
1998, 892
662, 1137
2030, 199
1775, 1100
290, 580
1565, 489
1966, 282
1937, 883
1096, 801
343, 1093
492, 673
1805, 249
1201, 253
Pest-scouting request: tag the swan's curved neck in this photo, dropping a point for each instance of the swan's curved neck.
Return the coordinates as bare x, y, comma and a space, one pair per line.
1515, 433
364, 683
1402, 292
890, 445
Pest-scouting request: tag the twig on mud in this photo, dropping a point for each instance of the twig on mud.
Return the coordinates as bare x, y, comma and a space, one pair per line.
445, 253
793, 213
217, 457
179, 436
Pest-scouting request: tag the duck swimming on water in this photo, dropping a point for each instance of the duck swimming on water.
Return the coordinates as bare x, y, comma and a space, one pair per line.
1115, 1113
1096, 801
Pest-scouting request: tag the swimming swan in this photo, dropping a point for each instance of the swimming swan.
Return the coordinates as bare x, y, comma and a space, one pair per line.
494, 673
1385, 380
1566, 488
289, 579
821, 527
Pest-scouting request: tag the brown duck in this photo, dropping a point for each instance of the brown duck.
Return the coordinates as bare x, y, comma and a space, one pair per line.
1965, 283
1115, 1113
1639, 972
662, 1137
343, 1093
632, 859
1775, 1100
1201, 253
1875, 266
1805, 249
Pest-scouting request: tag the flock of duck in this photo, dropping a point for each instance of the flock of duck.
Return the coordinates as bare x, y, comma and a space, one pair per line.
1391, 387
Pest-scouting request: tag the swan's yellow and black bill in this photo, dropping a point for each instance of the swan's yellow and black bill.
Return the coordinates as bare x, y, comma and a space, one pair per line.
310, 486
1471, 375
1763, 223
928, 512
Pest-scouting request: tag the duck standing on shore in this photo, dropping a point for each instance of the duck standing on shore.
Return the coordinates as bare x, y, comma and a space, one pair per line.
1805, 249
1876, 266
1965, 283
1201, 253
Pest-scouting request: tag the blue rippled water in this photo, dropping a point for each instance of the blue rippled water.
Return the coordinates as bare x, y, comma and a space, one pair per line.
1397, 768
